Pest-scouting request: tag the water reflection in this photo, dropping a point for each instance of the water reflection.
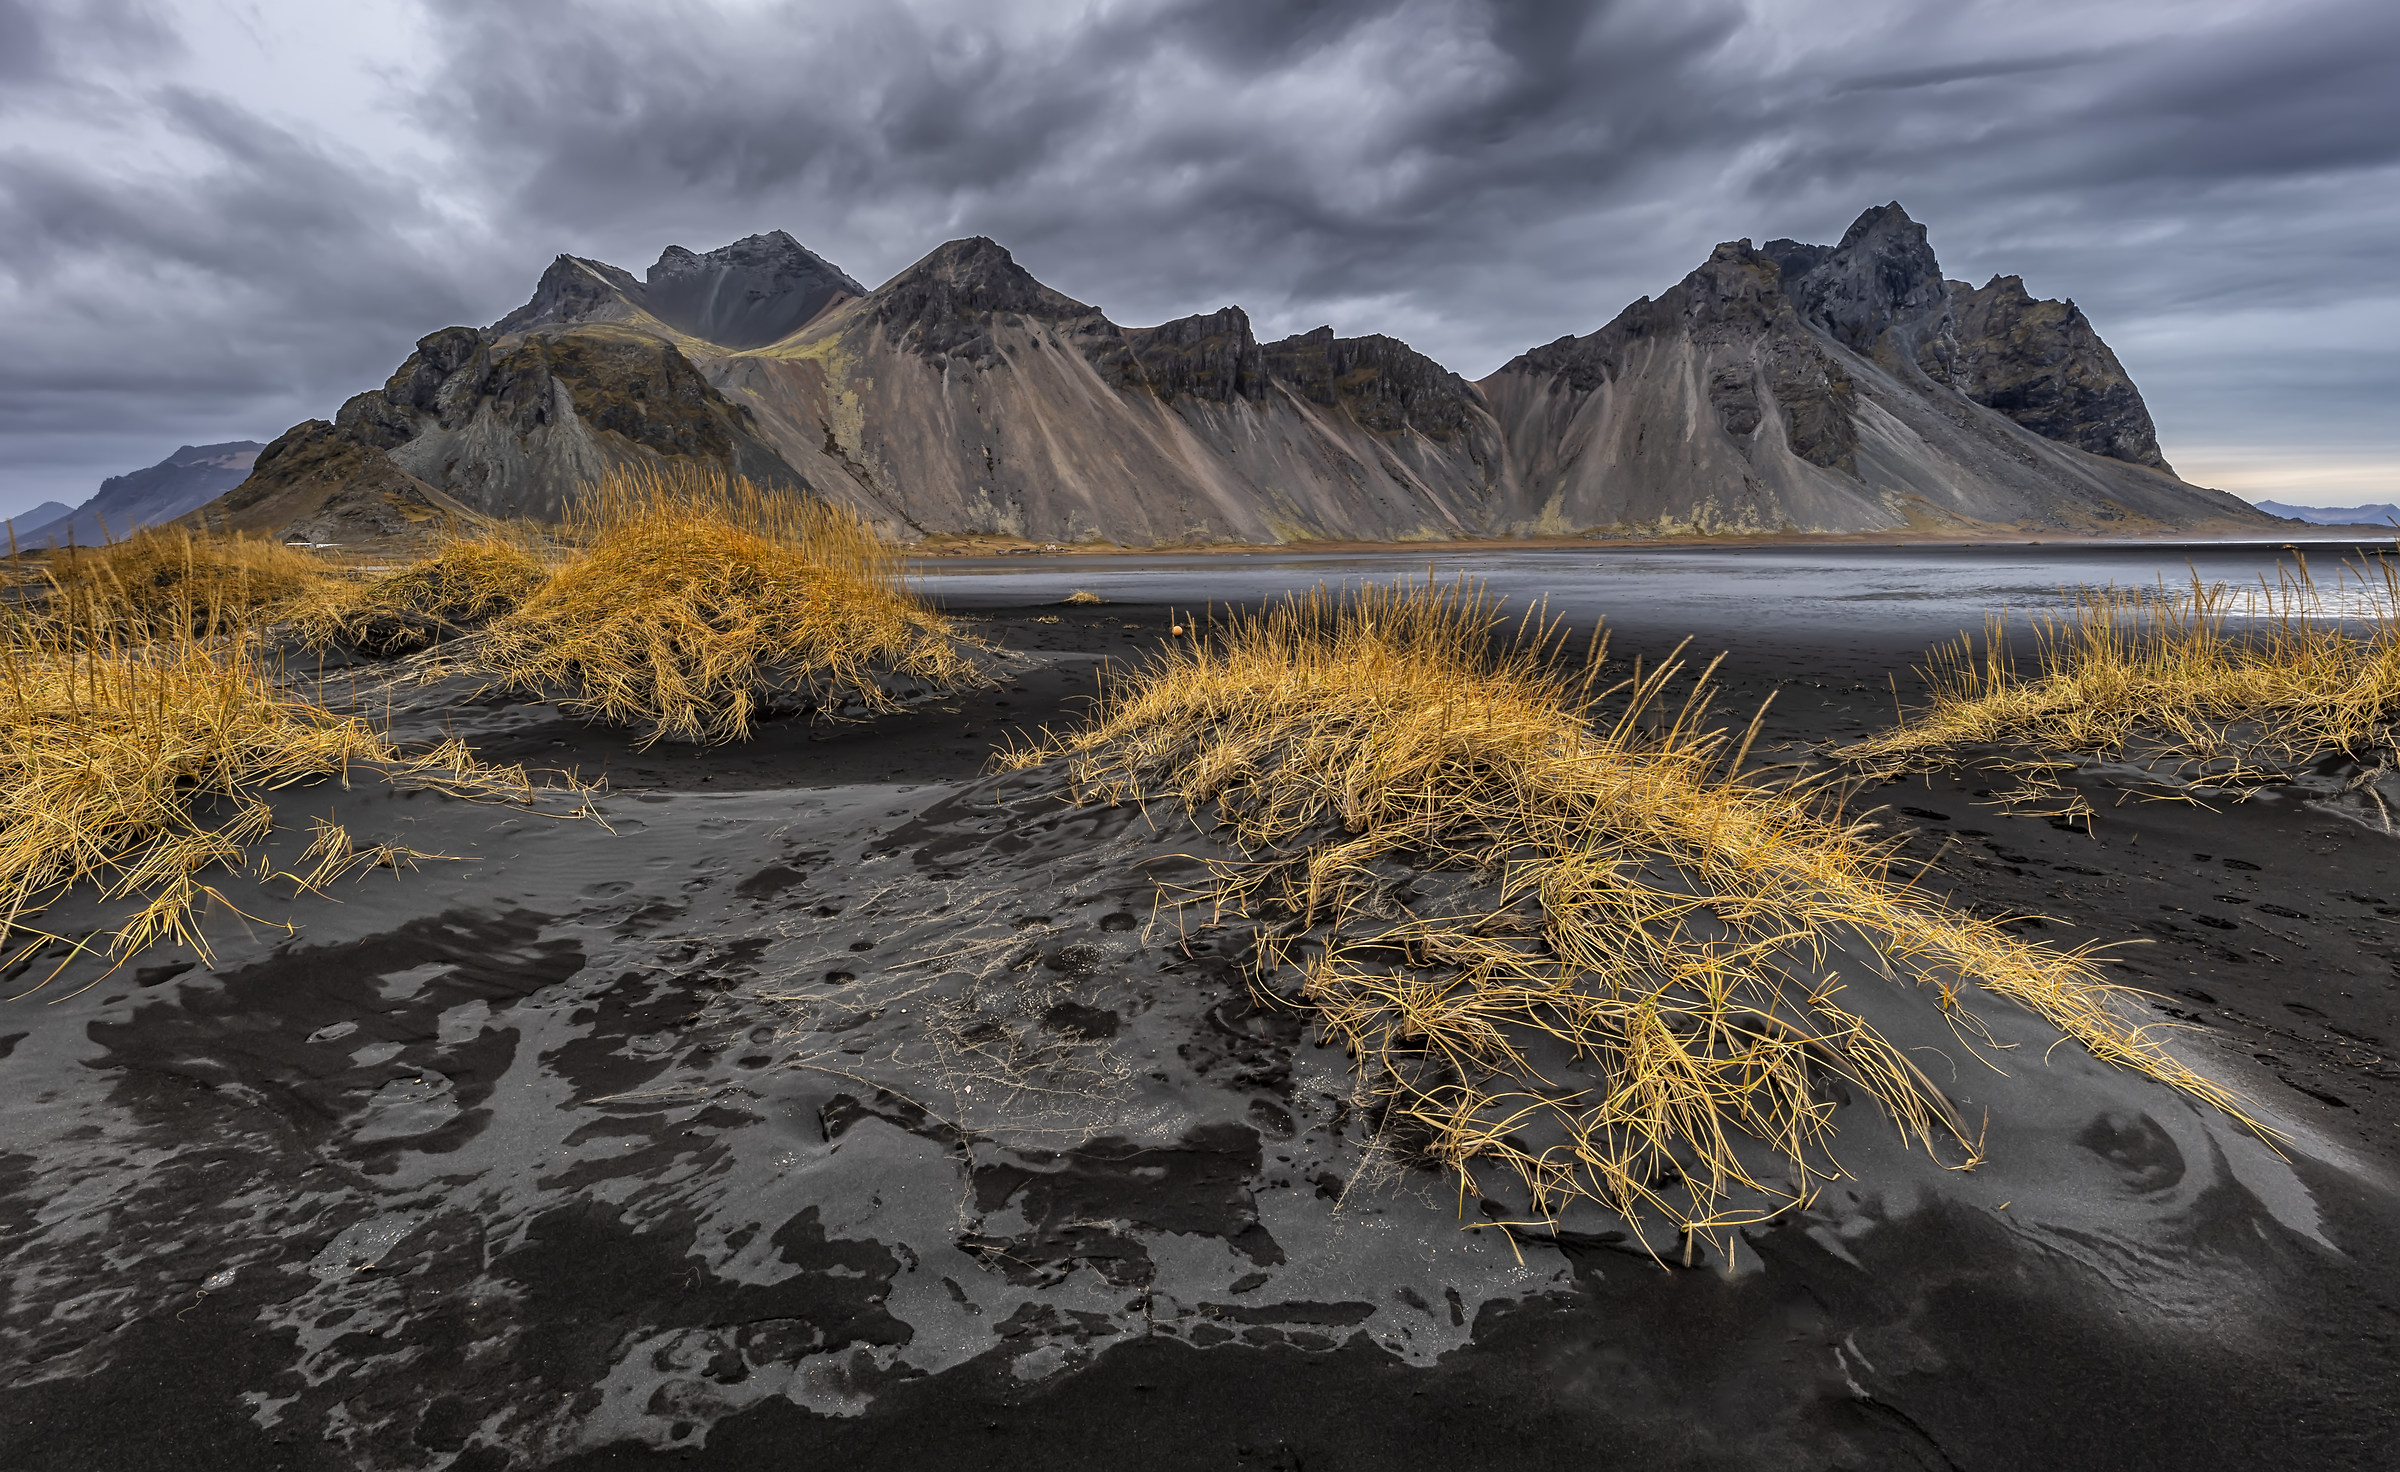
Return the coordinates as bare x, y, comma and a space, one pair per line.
1909, 592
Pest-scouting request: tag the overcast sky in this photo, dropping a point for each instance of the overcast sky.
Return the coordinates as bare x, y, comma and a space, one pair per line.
219, 217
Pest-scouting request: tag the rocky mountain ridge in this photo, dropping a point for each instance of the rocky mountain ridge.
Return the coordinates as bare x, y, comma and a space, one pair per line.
1881, 294
744, 295
475, 424
1784, 388
1850, 387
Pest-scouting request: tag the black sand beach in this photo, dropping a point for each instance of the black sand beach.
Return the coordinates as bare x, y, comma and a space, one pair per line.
847, 1106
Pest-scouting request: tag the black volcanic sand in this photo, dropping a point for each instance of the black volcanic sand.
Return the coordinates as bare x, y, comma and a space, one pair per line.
847, 1107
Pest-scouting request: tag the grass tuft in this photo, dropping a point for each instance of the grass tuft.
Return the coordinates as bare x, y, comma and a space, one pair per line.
2226, 688
1561, 933
698, 603
141, 768
165, 580
1081, 598
467, 583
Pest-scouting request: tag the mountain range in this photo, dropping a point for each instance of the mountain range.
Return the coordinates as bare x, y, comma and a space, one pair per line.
1783, 388
35, 518
2380, 513
185, 480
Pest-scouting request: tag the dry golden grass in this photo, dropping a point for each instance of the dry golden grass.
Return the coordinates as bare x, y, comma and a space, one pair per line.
139, 768
152, 580
1655, 921
696, 603
2224, 687
468, 582
1082, 598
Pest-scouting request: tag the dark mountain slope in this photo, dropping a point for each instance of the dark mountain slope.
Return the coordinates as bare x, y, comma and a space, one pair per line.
2042, 364
320, 483
506, 428
1711, 408
574, 291
512, 427
747, 294
966, 396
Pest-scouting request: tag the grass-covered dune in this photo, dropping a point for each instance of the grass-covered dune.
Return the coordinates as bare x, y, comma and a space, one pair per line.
2207, 686
1566, 936
158, 689
689, 606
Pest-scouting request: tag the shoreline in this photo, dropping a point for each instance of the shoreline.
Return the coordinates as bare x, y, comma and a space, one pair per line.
997, 549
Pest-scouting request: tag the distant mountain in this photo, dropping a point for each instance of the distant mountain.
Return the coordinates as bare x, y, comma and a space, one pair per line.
189, 478
2381, 513
35, 518
1789, 388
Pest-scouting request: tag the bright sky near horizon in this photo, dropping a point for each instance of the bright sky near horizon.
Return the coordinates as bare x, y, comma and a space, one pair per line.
224, 216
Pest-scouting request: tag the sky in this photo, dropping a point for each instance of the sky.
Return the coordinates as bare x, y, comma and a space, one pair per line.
221, 217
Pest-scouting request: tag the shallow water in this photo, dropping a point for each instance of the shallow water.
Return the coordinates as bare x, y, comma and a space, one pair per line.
1905, 595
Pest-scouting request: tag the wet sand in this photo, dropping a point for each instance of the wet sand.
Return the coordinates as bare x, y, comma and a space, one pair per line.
848, 1107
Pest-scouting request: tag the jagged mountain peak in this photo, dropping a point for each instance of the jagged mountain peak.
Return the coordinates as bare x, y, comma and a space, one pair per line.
2007, 288
1735, 279
2044, 365
965, 252
1224, 320
572, 290
978, 274
947, 304
1784, 348
1887, 219
753, 292
1212, 356
1882, 273
1381, 383
1794, 258
1736, 290
774, 249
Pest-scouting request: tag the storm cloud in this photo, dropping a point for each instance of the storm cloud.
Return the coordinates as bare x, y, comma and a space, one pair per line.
222, 218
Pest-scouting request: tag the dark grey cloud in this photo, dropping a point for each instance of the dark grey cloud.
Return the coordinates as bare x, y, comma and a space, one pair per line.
2212, 181
1391, 165
22, 53
180, 268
